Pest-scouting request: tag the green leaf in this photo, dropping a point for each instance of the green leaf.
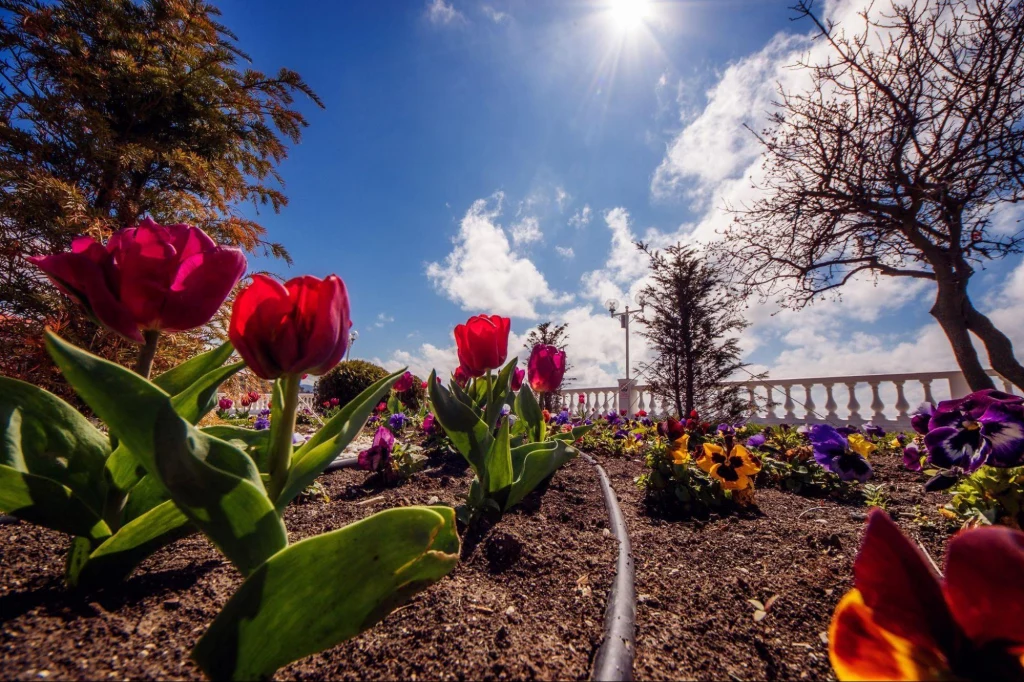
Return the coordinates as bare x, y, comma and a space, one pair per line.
312, 458
176, 380
498, 464
216, 485
362, 571
47, 503
574, 435
255, 443
471, 436
499, 392
529, 411
394, 404
43, 435
533, 463
118, 555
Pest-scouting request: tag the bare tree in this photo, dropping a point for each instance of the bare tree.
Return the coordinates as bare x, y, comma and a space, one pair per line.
896, 162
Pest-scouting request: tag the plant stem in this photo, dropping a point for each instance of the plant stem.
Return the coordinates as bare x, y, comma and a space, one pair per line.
144, 363
282, 427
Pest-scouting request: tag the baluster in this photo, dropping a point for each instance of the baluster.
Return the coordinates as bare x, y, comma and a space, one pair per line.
604, 405
830, 404
877, 405
640, 405
770, 404
927, 384
809, 405
751, 401
789, 404
901, 402
852, 405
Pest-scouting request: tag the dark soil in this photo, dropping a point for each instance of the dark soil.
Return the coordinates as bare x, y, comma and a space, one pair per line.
526, 601
694, 578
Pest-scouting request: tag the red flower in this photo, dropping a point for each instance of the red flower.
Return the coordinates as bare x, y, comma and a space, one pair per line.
423, 384
404, 383
902, 621
253, 396
705, 427
326, 403
381, 406
641, 413
691, 424
461, 376
518, 374
300, 326
694, 415
335, 402
482, 343
622, 412
672, 429
547, 367
583, 398
150, 277
546, 415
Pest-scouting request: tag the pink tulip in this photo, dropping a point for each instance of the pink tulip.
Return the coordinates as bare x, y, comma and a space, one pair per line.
547, 367
150, 277
404, 383
518, 374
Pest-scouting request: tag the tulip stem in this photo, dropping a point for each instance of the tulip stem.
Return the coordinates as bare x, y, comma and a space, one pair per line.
144, 363
281, 432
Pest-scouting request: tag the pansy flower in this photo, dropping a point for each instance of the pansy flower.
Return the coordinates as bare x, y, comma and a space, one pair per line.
964, 433
912, 457
903, 621
874, 430
757, 440
733, 467
845, 456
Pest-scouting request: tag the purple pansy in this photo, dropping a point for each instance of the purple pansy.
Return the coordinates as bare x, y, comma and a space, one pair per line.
984, 427
873, 430
562, 418
833, 452
756, 441
397, 421
726, 430
848, 430
912, 457
375, 457
261, 424
919, 420
620, 434
428, 423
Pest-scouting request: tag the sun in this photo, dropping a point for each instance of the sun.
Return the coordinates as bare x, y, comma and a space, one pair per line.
626, 15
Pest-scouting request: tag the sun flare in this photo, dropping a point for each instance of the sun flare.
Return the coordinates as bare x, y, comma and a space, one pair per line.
626, 15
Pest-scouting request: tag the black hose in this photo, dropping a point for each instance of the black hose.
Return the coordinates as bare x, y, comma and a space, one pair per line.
614, 660
342, 463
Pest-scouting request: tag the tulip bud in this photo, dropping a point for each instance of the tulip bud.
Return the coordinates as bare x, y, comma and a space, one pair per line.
300, 326
518, 374
546, 368
482, 343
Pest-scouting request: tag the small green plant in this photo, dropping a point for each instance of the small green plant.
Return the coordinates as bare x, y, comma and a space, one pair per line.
875, 495
989, 496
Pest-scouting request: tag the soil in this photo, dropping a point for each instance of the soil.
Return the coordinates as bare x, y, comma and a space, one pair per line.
526, 601
793, 554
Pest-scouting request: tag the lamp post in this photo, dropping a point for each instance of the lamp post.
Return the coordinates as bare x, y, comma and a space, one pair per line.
352, 336
624, 317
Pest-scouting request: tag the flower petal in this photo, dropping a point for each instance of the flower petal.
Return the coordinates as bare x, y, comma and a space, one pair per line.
1003, 426
860, 649
984, 586
950, 447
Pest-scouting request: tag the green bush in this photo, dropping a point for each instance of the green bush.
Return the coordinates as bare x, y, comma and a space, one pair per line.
347, 380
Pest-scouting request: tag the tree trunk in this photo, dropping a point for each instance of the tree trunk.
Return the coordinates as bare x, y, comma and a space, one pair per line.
998, 345
950, 311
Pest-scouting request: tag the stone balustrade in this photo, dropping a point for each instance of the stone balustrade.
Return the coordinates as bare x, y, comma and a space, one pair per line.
305, 401
884, 399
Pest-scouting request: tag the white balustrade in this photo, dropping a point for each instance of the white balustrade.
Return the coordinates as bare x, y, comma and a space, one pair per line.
889, 397
305, 402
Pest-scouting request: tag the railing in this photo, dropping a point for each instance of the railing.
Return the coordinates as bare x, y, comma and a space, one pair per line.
305, 401
884, 399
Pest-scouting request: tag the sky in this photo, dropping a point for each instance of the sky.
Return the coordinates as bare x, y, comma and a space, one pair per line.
502, 157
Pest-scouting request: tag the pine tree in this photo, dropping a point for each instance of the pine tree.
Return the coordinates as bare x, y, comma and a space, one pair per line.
691, 320
114, 109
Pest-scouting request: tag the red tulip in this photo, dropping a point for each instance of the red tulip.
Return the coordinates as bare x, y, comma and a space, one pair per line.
300, 326
693, 414
381, 406
335, 402
461, 376
404, 383
151, 277
482, 343
547, 367
518, 374
423, 384
546, 415
583, 398
902, 621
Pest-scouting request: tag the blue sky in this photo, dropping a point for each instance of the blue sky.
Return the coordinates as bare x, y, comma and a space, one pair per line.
499, 155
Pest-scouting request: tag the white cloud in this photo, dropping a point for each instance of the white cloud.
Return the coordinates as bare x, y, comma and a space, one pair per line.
494, 15
565, 252
621, 276
441, 13
383, 319
526, 231
483, 274
581, 218
562, 198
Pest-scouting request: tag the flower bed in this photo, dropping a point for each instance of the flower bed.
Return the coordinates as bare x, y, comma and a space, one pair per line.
492, 617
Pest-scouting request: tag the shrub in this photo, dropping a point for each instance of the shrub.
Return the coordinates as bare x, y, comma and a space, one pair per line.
346, 381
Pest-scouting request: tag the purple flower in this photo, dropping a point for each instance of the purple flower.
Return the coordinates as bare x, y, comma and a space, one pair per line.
620, 434
840, 454
848, 430
726, 430
265, 412
919, 420
377, 456
262, 424
562, 418
912, 457
397, 421
901, 438
756, 441
984, 425
646, 421
873, 430
428, 423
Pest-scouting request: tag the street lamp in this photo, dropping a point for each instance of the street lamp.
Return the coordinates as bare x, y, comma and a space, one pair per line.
624, 316
352, 336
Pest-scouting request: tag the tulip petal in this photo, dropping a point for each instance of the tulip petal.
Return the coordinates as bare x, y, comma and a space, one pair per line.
200, 286
984, 586
861, 649
901, 588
